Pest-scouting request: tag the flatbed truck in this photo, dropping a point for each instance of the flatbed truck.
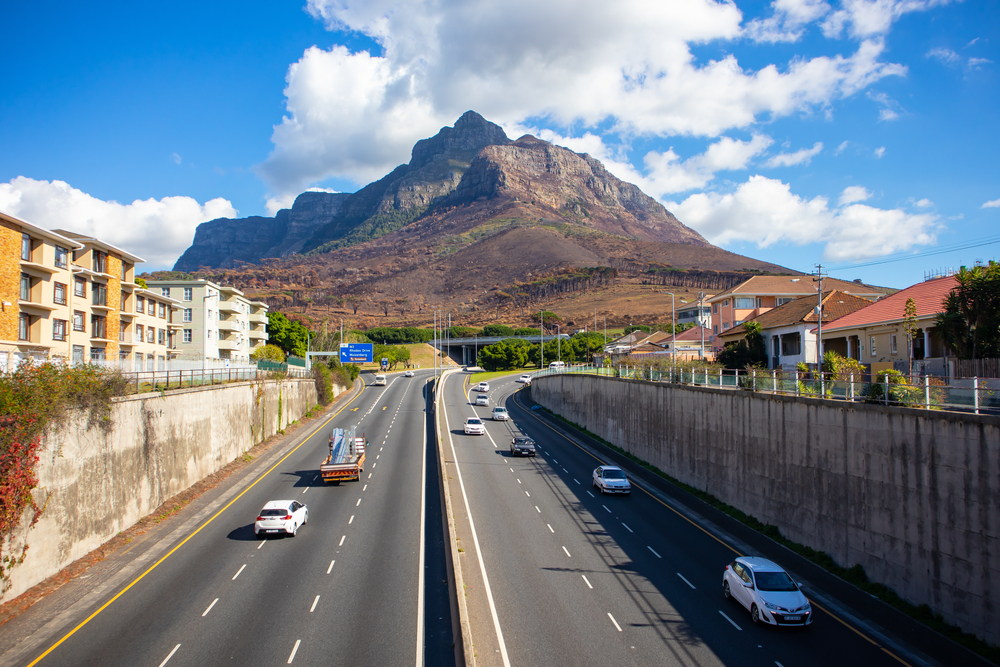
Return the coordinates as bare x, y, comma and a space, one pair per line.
346, 459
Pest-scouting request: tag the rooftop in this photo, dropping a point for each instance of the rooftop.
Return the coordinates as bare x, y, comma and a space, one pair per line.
836, 304
795, 286
928, 297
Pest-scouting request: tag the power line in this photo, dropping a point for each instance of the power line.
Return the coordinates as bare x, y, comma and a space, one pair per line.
930, 253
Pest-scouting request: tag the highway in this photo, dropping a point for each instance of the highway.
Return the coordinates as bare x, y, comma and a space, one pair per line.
560, 575
349, 589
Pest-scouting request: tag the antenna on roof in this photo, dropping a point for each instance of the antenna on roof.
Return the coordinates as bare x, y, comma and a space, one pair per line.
933, 274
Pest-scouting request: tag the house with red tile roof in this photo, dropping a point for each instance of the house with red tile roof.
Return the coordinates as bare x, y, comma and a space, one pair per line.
790, 330
759, 294
875, 335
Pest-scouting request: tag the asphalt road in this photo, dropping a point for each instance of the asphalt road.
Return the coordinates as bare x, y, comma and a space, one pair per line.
581, 579
347, 590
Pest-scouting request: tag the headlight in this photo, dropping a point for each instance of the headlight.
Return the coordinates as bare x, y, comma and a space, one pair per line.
774, 607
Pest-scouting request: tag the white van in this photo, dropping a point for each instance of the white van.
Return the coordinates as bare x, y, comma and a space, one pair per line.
379, 381
557, 366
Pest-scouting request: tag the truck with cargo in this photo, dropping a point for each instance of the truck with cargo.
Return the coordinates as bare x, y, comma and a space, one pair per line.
346, 459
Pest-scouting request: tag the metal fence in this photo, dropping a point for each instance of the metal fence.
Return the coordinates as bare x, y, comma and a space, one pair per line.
978, 395
141, 382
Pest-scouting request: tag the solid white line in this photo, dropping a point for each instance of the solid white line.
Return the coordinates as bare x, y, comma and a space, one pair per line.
587, 581
342, 541
262, 543
294, 649
538, 510
351, 520
313, 607
165, 660
627, 528
238, 573
550, 527
205, 613
359, 501
606, 507
614, 621
684, 579
567, 552
475, 541
731, 621
331, 566
654, 552
590, 494
421, 547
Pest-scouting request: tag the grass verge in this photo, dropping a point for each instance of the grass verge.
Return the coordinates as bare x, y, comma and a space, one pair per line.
854, 575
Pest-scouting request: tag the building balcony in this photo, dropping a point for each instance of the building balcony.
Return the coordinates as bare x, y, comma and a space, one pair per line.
229, 325
228, 345
35, 268
258, 318
35, 306
228, 307
259, 334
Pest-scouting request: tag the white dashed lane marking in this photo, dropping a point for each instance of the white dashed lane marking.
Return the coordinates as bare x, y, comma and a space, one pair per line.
587, 581
731, 621
684, 579
205, 613
238, 573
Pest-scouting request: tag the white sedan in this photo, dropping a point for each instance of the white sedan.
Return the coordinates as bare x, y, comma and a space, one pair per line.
408, 374
483, 400
526, 378
483, 386
611, 479
500, 414
474, 426
767, 591
281, 516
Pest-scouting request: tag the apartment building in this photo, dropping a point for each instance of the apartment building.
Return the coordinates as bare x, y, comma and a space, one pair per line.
148, 330
216, 322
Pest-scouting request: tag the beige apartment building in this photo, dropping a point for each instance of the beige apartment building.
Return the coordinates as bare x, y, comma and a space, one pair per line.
68, 296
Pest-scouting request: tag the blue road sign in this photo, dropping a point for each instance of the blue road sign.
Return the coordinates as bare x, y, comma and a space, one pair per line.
356, 353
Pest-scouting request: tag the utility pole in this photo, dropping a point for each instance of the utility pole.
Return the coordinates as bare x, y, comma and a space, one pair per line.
819, 318
701, 304
673, 327
541, 338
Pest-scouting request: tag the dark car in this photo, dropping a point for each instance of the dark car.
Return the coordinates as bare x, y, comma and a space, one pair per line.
522, 446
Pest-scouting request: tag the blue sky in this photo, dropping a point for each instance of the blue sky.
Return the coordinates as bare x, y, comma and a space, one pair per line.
847, 132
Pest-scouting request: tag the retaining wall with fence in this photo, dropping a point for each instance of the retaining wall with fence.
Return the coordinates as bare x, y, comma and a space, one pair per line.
912, 495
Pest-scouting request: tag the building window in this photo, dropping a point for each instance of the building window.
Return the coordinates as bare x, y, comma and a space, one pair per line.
784, 299
25, 248
725, 303
122, 332
187, 314
59, 293
150, 335
715, 309
892, 344
25, 287
62, 257
140, 304
791, 345
188, 293
139, 330
59, 329
725, 325
209, 314
165, 291
80, 287
22, 327
100, 263
161, 335
163, 311
745, 303
187, 336
871, 341
78, 353
124, 272
97, 354
79, 321
715, 328
98, 328
100, 294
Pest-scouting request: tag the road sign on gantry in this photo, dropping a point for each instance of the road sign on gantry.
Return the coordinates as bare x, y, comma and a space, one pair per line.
356, 353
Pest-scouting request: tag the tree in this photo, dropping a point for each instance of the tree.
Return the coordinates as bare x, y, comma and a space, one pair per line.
491, 330
749, 352
970, 323
506, 355
270, 352
291, 337
910, 327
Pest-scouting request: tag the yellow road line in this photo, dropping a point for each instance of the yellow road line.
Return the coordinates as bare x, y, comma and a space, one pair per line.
171, 552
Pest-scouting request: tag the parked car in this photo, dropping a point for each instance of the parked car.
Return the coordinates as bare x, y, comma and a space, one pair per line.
767, 591
474, 426
483, 399
500, 414
522, 445
280, 516
483, 386
408, 374
526, 378
611, 479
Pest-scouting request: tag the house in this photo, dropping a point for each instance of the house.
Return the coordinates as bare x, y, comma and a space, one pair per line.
790, 330
759, 294
874, 335
694, 343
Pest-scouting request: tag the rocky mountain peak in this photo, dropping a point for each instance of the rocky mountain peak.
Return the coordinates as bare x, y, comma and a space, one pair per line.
470, 133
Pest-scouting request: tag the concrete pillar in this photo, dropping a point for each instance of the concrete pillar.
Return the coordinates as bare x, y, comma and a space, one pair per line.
850, 348
927, 343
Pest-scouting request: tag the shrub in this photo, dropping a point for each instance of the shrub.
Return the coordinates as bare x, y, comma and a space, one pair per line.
324, 383
269, 352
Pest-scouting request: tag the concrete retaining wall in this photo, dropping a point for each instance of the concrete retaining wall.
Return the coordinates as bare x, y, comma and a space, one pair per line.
911, 495
94, 484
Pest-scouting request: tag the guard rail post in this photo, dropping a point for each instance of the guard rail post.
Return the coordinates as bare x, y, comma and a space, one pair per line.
975, 393
927, 392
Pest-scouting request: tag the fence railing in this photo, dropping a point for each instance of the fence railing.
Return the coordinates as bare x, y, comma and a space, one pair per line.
140, 382
978, 395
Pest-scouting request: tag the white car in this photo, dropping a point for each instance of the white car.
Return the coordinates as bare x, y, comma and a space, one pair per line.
474, 426
500, 414
526, 378
483, 400
408, 374
611, 479
379, 381
280, 517
483, 386
767, 591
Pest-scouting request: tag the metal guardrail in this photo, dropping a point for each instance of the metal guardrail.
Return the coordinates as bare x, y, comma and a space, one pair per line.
978, 395
141, 382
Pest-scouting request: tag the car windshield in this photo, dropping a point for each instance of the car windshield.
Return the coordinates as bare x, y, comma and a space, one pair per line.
474, 421
274, 512
614, 474
524, 441
774, 581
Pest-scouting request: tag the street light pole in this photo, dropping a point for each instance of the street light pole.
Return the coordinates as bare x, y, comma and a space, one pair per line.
559, 341
673, 326
701, 304
541, 339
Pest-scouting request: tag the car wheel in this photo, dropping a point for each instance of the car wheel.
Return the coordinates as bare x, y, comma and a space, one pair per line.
754, 614
305, 519
295, 530
725, 590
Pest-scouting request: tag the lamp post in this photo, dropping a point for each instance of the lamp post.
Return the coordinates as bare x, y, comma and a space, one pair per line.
673, 326
701, 304
819, 319
559, 341
541, 339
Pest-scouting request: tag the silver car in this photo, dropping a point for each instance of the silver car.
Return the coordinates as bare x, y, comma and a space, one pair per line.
611, 479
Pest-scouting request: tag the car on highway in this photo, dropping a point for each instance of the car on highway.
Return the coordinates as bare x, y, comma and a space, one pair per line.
280, 516
483, 386
474, 426
379, 381
522, 445
611, 479
767, 591
500, 414
526, 378
483, 399
408, 374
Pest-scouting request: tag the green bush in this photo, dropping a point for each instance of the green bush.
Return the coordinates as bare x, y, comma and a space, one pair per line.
324, 383
491, 330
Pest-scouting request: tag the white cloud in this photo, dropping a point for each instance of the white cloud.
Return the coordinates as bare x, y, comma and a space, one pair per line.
666, 174
944, 55
765, 211
176, 158
801, 156
275, 204
869, 18
977, 63
890, 108
853, 194
788, 21
840, 149
156, 230
992, 204
924, 203
879, 152
577, 63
